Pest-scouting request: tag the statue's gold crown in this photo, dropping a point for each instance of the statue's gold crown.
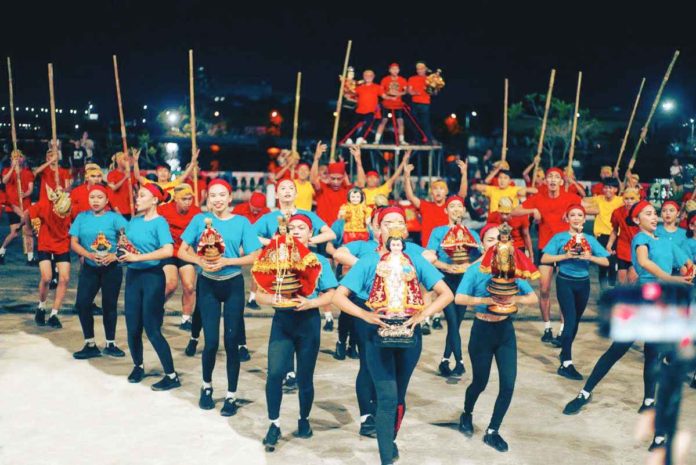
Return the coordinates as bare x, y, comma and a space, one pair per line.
396, 233
505, 229
505, 205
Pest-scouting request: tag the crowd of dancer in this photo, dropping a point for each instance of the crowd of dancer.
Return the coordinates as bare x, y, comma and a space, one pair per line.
154, 232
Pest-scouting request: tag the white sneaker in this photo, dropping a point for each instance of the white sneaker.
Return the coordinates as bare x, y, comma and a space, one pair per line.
349, 141
377, 138
361, 141
402, 140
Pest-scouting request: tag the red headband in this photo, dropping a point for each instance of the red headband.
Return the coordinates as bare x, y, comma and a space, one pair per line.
385, 211
155, 190
337, 168
220, 182
692, 219
394, 64
639, 207
98, 187
554, 170
372, 173
575, 206
487, 228
304, 218
257, 200
453, 198
671, 202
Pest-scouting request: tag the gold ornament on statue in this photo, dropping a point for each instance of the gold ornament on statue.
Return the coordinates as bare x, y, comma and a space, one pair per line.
61, 201
434, 82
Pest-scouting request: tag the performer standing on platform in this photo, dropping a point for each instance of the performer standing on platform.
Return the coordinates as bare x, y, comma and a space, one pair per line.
214, 241
420, 100
373, 187
621, 235
119, 185
367, 109
93, 236
80, 194
18, 170
394, 87
48, 175
144, 245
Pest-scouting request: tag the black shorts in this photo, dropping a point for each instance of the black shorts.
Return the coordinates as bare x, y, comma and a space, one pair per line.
48, 256
623, 264
13, 218
398, 114
176, 261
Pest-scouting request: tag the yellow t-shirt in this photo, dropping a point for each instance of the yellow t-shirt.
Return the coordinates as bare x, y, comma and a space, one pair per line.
167, 187
372, 192
495, 193
602, 222
305, 195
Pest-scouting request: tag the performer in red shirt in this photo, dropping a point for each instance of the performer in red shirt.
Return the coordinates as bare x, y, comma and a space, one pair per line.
622, 234
520, 225
571, 185
254, 209
433, 213
118, 182
330, 196
394, 87
51, 222
548, 208
420, 100
202, 187
604, 173
367, 109
15, 214
80, 194
47, 173
179, 214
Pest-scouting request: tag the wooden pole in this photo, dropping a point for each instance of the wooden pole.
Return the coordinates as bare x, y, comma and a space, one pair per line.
52, 97
571, 152
339, 103
503, 154
295, 120
547, 106
13, 131
628, 128
124, 139
194, 145
656, 102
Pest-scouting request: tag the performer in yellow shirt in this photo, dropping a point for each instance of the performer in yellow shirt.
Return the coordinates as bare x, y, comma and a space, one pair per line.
305, 191
504, 188
606, 204
374, 188
164, 174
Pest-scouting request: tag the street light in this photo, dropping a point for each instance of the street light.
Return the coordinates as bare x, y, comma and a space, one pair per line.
217, 113
668, 106
172, 117
453, 115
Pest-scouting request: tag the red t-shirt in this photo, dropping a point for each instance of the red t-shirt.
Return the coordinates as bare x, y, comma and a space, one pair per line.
413, 221
27, 177
597, 189
433, 215
417, 83
54, 234
244, 209
80, 199
177, 221
48, 178
572, 189
329, 202
202, 186
552, 211
625, 233
395, 85
119, 198
517, 223
368, 98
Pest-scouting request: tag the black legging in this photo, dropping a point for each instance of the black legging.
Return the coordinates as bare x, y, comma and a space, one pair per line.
226, 298
486, 341
91, 280
292, 333
572, 294
605, 271
614, 354
196, 322
346, 325
364, 386
454, 314
391, 371
145, 309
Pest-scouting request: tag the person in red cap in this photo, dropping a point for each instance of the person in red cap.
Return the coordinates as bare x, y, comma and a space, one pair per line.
48, 172
373, 187
117, 180
420, 99
548, 208
15, 214
331, 195
367, 109
164, 173
394, 87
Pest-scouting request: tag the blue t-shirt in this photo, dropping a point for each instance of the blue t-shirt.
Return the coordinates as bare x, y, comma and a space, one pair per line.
678, 237
438, 234
87, 226
660, 251
267, 225
327, 279
236, 231
359, 249
361, 276
474, 283
148, 236
574, 268
691, 248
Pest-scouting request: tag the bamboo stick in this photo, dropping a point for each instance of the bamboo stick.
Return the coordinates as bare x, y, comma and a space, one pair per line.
547, 106
503, 154
194, 145
295, 121
13, 131
339, 103
124, 139
628, 128
576, 114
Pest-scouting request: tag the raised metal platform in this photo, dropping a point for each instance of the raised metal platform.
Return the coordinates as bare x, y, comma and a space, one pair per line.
395, 147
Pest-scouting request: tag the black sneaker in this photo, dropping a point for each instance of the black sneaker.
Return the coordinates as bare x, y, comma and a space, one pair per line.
253, 305
167, 383
693, 383
437, 323
304, 430
53, 284
569, 372
54, 322
136, 375
644, 406
271, 438
290, 384
328, 326
368, 428
244, 355
495, 441
190, 350
185, 325
33, 262
425, 328
548, 336
556, 341
88, 351
576, 404
40, 317
444, 368
353, 352
458, 371
229, 408
340, 352
2, 259
395, 453
466, 424
112, 350
205, 401
658, 442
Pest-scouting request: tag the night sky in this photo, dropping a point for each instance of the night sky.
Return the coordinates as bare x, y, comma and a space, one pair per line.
476, 49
